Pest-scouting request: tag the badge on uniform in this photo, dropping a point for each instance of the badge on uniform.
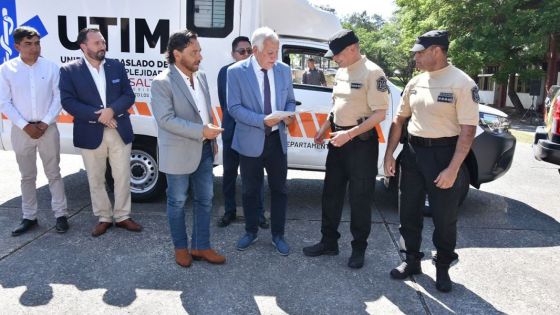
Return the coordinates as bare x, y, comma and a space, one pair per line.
445, 97
355, 85
475, 96
382, 84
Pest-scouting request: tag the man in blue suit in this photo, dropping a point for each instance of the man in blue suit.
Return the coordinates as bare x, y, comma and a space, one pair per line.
240, 50
97, 92
258, 87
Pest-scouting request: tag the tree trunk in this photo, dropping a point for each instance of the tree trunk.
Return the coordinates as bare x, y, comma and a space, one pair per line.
552, 66
552, 61
500, 96
513, 95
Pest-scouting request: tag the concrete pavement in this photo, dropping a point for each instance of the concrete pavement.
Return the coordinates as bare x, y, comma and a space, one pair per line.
509, 247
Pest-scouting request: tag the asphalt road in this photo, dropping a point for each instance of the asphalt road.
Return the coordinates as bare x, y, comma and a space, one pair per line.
509, 247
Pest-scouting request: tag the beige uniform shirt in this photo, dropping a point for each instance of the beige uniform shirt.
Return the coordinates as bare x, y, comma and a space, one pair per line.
438, 102
358, 90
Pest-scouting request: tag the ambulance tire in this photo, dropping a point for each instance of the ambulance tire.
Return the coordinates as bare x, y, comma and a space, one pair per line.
146, 181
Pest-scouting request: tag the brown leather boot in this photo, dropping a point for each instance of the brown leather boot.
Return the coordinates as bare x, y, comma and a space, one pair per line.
209, 255
183, 258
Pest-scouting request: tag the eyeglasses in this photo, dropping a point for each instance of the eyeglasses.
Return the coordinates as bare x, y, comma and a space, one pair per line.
242, 51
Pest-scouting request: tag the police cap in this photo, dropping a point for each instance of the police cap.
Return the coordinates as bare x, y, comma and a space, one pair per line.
435, 37
339, 41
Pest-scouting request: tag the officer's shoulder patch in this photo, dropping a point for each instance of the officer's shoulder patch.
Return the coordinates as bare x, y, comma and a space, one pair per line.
382, 84
474, 93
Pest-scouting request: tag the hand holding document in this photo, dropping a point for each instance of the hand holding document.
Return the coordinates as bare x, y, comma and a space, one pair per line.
274, 118
278, 115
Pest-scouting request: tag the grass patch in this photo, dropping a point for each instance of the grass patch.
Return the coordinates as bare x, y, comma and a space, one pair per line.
523, 136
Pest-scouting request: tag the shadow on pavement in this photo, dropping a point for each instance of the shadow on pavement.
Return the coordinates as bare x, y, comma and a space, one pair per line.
118, 268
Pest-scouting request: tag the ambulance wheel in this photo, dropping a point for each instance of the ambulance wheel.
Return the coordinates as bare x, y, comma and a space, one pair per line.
146, 181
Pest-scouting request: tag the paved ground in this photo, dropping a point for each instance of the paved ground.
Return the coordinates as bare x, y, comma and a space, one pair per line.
509, 247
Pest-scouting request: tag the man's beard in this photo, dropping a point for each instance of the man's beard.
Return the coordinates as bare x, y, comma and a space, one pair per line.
191, 67
99, 56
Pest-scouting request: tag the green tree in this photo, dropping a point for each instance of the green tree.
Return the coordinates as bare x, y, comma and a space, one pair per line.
510, 35
381, 42
375, 42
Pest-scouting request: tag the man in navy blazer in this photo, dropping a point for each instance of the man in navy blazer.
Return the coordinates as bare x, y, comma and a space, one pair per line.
97, 92
240, 50
258, 87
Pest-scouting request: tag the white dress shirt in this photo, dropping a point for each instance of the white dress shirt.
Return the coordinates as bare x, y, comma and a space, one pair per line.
260, 78
198, 95
29, 93
99, 79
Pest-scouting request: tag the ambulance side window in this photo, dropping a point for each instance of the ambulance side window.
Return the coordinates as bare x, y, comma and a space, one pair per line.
210, 18
300, 59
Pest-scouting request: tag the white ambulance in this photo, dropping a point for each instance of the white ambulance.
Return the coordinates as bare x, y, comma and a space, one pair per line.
137, 32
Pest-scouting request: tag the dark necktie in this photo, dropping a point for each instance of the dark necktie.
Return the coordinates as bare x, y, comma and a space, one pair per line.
267, 103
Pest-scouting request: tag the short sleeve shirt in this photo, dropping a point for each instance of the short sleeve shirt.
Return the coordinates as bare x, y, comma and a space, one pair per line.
358, 91
438, 102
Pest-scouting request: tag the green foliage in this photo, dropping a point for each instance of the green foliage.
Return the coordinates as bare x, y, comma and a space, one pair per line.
508, 34
378, 39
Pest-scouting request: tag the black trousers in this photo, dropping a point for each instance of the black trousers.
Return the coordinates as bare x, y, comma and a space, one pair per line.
352, 166
419, 168
275, 162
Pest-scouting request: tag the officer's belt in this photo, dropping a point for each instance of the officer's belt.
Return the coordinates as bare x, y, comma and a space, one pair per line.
338, 128
432, 142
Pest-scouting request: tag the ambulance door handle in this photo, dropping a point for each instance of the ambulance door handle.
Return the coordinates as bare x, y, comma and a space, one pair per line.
298, 103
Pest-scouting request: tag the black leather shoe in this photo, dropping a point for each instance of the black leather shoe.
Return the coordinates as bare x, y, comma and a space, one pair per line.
226, 220
320, 249
411, 266
263, 223
24, 226
356, 260
61, 224
443, 281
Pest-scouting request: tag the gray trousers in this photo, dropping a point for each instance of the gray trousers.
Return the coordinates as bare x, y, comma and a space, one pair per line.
48, 147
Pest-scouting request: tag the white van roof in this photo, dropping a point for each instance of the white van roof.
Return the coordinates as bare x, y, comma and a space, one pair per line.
298, 18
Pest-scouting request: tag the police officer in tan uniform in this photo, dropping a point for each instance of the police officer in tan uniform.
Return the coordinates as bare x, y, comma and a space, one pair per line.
360, 97
441, 105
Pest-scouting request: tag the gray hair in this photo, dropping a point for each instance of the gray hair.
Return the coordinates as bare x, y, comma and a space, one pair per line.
261, 34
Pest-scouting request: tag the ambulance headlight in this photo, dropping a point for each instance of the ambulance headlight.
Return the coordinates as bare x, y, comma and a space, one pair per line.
494, 123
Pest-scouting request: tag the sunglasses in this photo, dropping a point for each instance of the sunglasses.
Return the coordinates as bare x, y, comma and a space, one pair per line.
242, 51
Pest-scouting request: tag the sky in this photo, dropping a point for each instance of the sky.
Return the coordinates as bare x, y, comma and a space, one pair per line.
384, 8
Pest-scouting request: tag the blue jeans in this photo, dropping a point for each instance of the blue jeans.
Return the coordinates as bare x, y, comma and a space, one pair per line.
201, 183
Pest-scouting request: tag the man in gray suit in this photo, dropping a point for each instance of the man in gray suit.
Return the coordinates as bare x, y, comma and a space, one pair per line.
187, 145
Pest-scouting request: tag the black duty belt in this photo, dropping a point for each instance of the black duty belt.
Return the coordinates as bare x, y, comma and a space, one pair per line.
339, 128
433, 142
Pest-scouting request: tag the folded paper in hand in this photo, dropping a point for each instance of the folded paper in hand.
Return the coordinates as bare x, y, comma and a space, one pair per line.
278, 115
